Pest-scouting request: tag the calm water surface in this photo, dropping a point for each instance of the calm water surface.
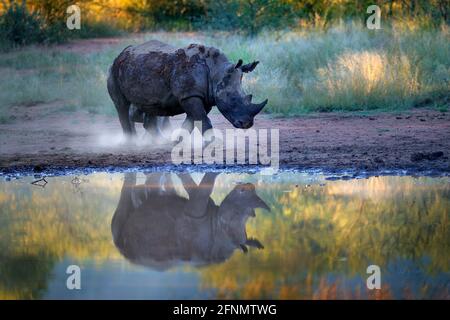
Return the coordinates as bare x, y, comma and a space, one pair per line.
229, 235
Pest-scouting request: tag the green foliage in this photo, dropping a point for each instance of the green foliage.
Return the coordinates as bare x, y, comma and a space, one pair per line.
43, 21
168, 15
52, 11
46, 23
19, 27
96, 29
249, 17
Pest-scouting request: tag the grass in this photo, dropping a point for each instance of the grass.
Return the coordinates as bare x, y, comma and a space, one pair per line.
37, 75
346, 68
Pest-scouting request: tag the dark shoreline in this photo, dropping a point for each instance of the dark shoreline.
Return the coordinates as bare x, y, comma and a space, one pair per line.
330, 173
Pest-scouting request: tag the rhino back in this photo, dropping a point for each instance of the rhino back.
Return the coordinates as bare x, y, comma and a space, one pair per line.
152, 46
155, 76
143, 77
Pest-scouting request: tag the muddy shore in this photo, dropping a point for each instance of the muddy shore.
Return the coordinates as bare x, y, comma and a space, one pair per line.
415, 141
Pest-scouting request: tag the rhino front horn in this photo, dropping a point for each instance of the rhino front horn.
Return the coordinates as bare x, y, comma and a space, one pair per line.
257, 107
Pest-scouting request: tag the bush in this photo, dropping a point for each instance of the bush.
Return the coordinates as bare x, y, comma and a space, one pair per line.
96, 29
20, 27
248, 17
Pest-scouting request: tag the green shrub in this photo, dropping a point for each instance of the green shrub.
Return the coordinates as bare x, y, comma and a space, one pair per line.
96, 29
248, 17
20, 27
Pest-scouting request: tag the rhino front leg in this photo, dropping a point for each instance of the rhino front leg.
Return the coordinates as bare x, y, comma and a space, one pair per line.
196, 113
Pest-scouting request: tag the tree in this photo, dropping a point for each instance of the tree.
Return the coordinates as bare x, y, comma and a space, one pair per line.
249, 16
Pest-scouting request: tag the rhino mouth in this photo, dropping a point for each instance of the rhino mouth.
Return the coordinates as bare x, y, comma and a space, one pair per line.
241, 115
242, 124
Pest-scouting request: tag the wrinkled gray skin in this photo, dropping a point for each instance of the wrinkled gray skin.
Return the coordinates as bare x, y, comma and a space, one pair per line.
155, 226
154, 80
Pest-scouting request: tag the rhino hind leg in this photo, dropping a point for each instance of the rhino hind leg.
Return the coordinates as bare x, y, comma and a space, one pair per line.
154, 126
122, 106
164, 125
135, 114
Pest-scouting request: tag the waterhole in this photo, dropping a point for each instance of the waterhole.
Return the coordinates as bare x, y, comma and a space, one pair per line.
165, 235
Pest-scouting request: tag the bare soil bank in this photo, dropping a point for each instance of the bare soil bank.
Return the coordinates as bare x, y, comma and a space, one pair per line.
40, 139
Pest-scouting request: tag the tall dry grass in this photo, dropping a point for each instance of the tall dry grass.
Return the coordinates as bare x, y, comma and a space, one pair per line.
344, 68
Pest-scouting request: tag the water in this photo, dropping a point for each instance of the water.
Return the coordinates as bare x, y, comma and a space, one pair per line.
229, 235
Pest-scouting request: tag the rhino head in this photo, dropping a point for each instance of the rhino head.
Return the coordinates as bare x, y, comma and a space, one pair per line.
234, 211
232, 102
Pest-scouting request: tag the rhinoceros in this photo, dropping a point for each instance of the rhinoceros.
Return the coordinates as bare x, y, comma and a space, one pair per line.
155, 80
157, 227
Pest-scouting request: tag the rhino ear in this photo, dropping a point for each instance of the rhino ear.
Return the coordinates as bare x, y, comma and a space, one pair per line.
239, 64
249, 67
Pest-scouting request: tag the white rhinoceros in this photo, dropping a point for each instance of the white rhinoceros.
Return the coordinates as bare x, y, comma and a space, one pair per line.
155, 79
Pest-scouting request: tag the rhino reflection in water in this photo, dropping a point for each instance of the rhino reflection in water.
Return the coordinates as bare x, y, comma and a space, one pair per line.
155, 226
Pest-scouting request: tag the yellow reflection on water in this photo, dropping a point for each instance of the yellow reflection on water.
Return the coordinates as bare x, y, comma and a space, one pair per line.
319, 236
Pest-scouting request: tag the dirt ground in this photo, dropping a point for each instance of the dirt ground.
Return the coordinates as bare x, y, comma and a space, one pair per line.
417, 141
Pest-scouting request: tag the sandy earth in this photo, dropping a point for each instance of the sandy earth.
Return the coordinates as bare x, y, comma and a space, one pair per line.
43, 138
418, 141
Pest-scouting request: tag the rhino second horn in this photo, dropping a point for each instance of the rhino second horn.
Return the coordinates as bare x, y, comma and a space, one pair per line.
257, 107
249, 67
248, 98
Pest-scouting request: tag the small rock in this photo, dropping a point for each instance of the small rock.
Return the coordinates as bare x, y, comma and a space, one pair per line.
378, 160
38, 168
435, 155
419, 156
